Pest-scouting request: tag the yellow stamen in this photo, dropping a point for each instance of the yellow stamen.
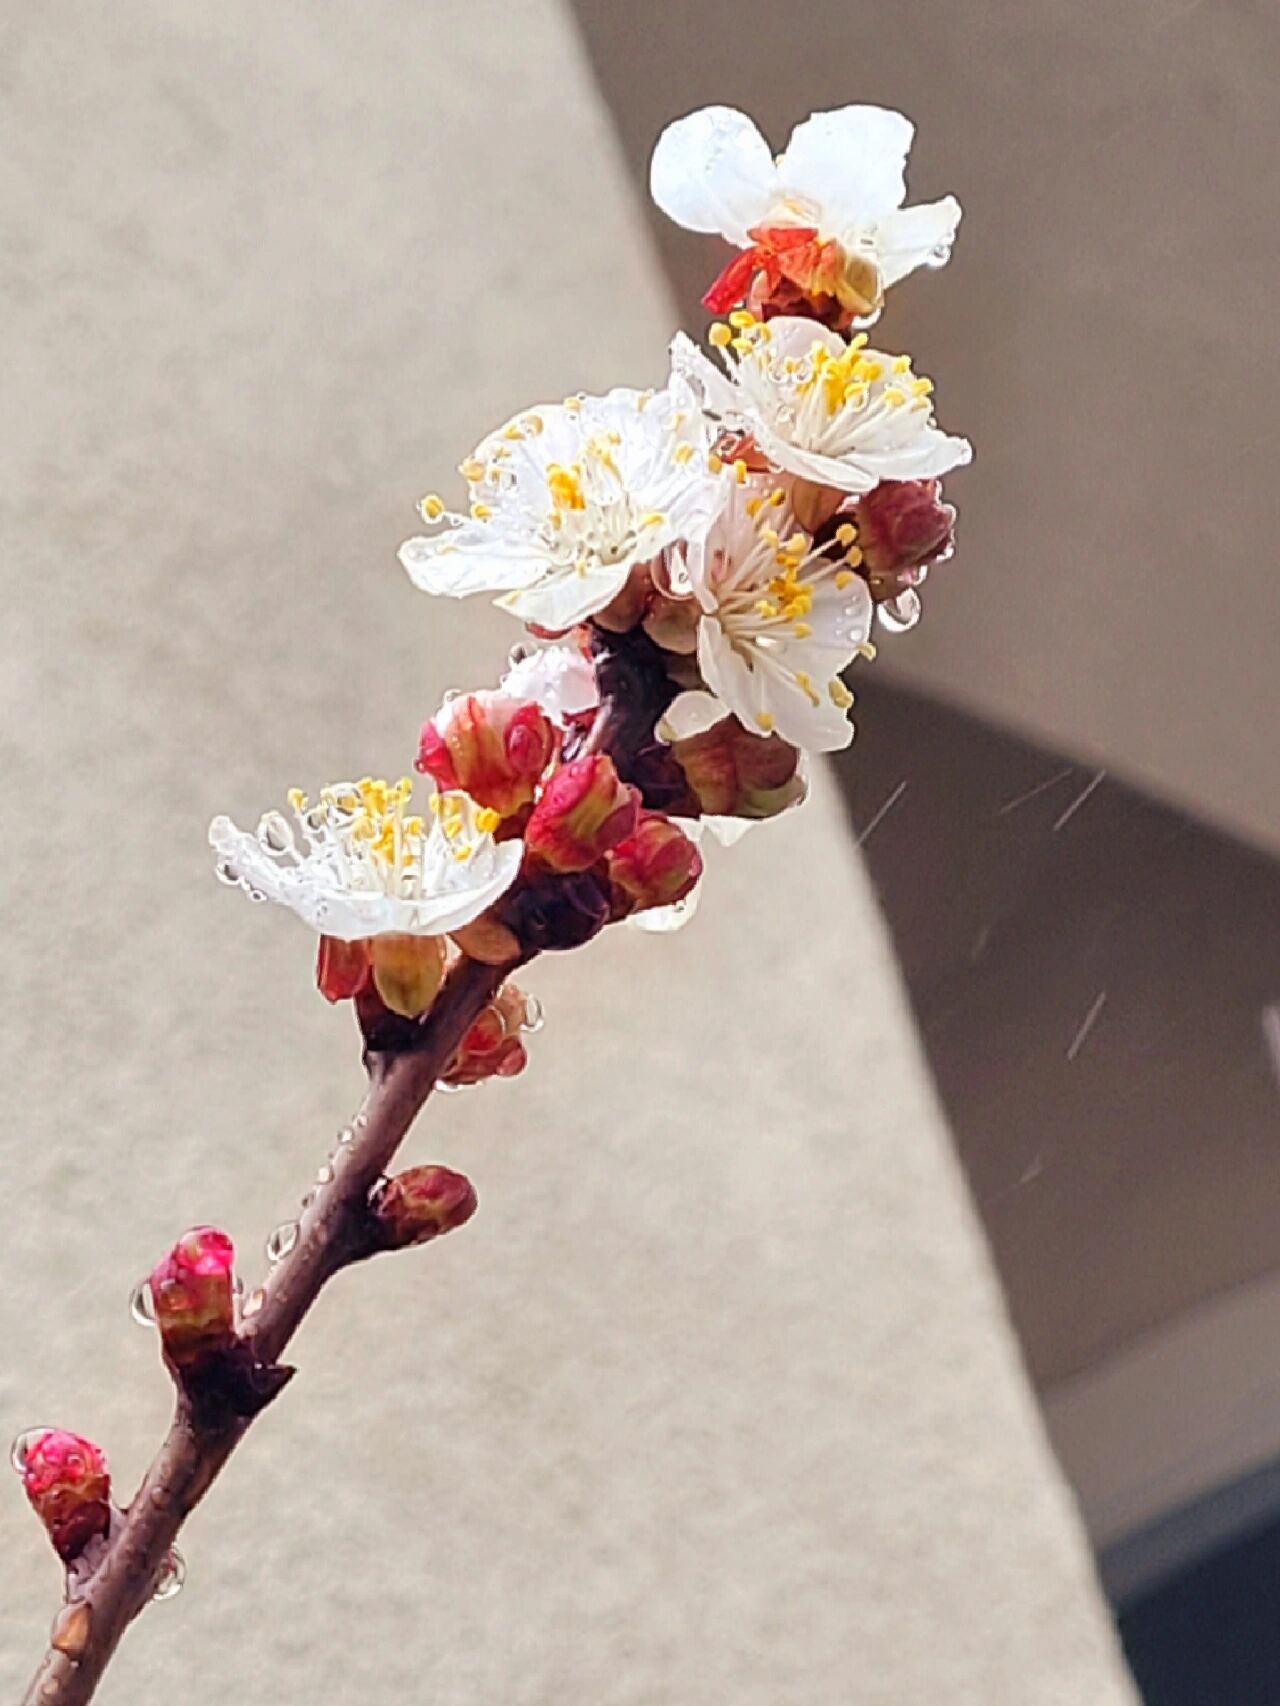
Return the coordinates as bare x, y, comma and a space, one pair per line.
432, 507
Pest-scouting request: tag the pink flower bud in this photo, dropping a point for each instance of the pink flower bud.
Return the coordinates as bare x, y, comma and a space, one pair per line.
583, 811
66, 1480
657, 865
191, 1290
734, 773
490, 745
342, 968
418, 1205
902, 525
492, 1047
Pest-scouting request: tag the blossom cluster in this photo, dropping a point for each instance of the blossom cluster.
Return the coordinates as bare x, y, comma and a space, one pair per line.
696, 568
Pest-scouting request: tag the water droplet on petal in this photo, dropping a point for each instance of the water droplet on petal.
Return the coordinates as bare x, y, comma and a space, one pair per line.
939, 255
899, 614
281, 1241
447, 1089
225, 873
173, 1573
534, 1016
257, 896
518, 654
22, 1445
452, 693
141, 1304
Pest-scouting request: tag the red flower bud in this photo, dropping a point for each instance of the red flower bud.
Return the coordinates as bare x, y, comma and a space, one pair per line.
583, 811
66, 1480
734, 773
191, 1290
656, 866
493, 747
421, 1203
791, 269
902, 525
492, 1047
342, 968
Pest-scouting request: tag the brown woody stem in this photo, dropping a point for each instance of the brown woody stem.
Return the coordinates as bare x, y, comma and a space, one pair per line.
332, 1233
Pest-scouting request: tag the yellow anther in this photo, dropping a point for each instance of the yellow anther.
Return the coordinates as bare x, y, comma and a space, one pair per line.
805, 684
297, 799
765, 721
481, 512
742, 345
802, 630
921, 387
902, 364
487, 820
435, 805
765, 607
853, 556
534, 424
565, 487
846, 533
844, 578
573, 404
839, 694
754, 506
868, 651
740, 472
769, 536
471, 470
432, 507
683, 454
714, 464
858, 342
513, 433
894, 396
655, 518
741, 318
777, 497
719, 337
643, 401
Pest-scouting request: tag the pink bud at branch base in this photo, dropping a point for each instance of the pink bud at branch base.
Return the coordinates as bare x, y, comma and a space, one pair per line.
583, 811
66, 1480
492, 746
191, 1291
420, 1204
658, 865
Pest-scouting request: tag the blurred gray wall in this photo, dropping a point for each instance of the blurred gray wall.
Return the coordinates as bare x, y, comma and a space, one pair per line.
715, 1399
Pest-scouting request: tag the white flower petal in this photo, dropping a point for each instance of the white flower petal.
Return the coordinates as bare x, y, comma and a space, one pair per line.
561, 600
470, 558
691, 713
558, 678
713, 171
851, 163
912, 237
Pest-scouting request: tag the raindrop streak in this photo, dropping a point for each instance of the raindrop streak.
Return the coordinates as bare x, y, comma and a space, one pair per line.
1090, 1020
281, 1241
142, 1308
534, 1016
1034, 793
879, 817
22, 1445
173, 1573
1079, 800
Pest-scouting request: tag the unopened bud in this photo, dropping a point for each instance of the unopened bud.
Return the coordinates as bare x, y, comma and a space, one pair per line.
342, 968
408, 971
657, 865
66, 1480
583, 810
488, 940
492, 1047
492, 746
734, 773
192, 1295
903, 525
421, 1203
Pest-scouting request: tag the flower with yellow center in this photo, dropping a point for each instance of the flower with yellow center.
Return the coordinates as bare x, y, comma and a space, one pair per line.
780, 619
829, 411
567, 499
842, 175
355, 862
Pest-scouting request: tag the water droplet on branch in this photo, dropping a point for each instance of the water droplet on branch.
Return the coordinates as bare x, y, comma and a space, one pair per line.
172, 1575
281, 1241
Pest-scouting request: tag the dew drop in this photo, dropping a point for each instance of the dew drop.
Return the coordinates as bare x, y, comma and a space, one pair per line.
939, 255
281, 1241
257, 896
225, 873
253, 1303
901, 613
324, 1173
22, 1445
447, 1089
173, 1572
534, 1015
308, 1197
345, 1135
452, 693
142, 1307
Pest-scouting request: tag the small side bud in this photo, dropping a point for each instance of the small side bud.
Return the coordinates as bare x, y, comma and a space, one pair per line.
191, 1292
492, 1047
488, 940
903, 525
583, 810
490, 745
658, 865
342, 968
549, 912
408, 971
66, 1480
734, 773
419, 1204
